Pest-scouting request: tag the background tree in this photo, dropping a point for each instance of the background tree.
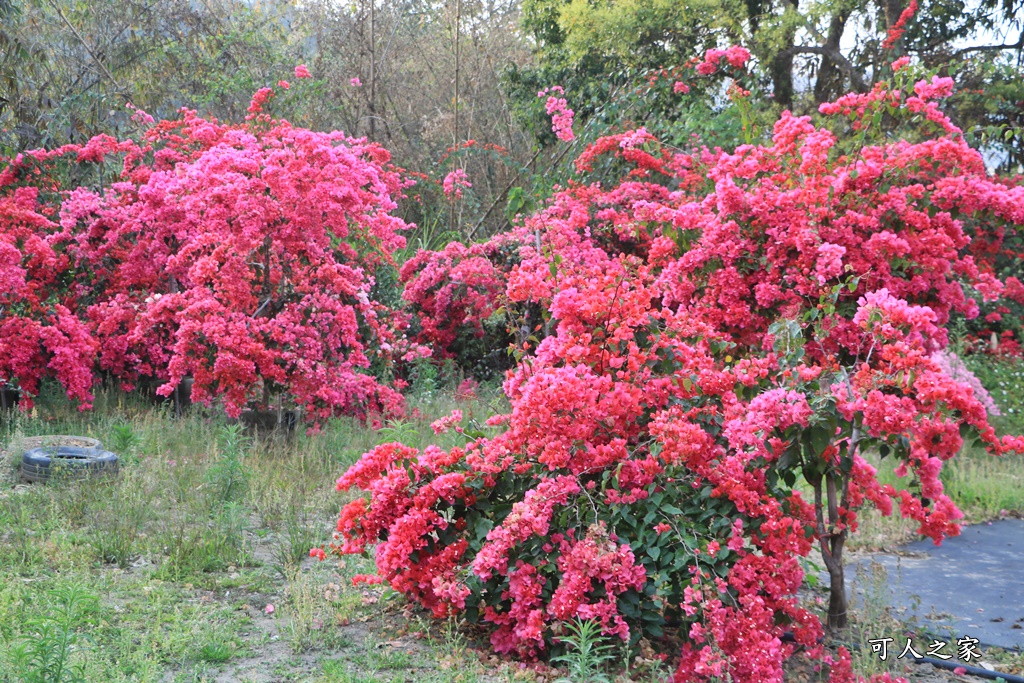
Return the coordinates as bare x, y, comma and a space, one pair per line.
805, 54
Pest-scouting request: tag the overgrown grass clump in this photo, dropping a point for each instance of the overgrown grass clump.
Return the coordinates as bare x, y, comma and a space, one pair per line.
167, 571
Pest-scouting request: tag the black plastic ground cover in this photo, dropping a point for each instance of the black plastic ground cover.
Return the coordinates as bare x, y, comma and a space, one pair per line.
971, 585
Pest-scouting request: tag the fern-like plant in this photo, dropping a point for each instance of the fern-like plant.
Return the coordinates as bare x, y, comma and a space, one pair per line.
44, 656
585, 656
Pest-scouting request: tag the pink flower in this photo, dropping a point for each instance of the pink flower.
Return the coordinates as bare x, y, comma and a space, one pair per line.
454, 183
707, 68
140, 117
302, 72
269, 609
938, 87
737, 56
635, 138
284, 85
830, 261
680, 88
447, 422
900, 63
355, 82
561, 115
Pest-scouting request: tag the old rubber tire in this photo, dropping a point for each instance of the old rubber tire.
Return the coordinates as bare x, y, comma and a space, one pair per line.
38, 464
48, 442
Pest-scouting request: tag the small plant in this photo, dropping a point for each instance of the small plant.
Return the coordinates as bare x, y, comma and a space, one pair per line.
295, 538
301, 610
217, 652
585, 655
397, 430
219, 543
45, 657
227, 477
424, 376
19, 518
115, 524
873, 617
124, 441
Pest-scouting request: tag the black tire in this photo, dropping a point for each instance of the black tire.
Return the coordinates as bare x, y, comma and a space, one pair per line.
39, 464
51, 441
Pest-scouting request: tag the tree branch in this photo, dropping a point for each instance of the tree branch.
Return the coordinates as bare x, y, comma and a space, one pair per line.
88, 49
837, 58
1019, 45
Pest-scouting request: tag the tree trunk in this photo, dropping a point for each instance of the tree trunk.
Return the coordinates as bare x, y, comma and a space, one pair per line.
829, 83
831, 543
781, 70
837, 612
781, 66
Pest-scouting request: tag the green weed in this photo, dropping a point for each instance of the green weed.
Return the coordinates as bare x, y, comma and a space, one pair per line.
296, 536
45, 654
585, 655
227, 478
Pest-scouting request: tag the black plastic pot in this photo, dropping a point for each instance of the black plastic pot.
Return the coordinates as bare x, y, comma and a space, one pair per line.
267, 421
180, 398
9, 398
74, 457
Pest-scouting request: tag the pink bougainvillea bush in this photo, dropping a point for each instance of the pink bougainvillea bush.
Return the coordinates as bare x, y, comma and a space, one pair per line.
453, 296
723, 327
242, 255
41, 335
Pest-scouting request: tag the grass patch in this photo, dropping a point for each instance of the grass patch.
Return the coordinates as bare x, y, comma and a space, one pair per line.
179, 555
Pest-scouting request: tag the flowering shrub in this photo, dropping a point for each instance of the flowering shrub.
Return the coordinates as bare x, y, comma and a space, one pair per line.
40, 335
453, 292
241, 255
951, 365
722, 326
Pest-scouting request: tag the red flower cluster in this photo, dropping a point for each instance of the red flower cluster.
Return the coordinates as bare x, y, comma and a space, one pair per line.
736, 56
453, 291
896, 30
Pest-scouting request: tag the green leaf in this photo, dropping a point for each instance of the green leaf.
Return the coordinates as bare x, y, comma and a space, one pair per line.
820, 438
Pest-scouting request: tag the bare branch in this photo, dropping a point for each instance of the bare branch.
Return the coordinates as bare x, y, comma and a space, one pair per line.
88, 49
